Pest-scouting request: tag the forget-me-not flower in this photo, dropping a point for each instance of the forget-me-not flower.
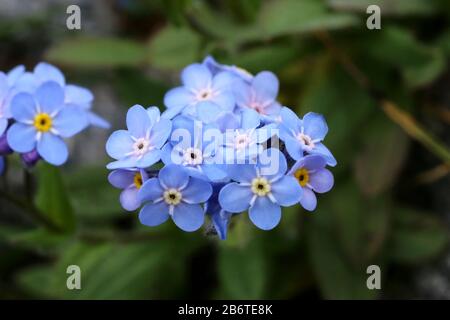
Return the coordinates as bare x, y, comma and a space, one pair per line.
311, 174
139, 146
43, 119
130, 182
261, 193
202, 96
305, 135
174, 194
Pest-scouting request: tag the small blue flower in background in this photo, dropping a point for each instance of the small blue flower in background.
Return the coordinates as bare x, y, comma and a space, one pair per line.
202, 95
261, 194
195, 154
216, 67
130, 181
305, 135
260, 94
140, 145
42, 121
73, 95
312, 176
174, 194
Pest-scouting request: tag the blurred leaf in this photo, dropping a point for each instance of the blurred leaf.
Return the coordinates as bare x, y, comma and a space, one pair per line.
52, 198
173, 48
243, 271
384, 151
34, 280
97, 52
388, 7
417, 238
40, 240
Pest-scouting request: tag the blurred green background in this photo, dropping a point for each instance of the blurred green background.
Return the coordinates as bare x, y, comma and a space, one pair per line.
385, 95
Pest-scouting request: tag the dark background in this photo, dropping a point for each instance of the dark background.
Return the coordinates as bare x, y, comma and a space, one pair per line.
384, 93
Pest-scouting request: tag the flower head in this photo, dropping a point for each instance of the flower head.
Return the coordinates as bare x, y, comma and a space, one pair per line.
42, 120
130, 181
305, 135
139, 146
174, 194
260, 192
312, 176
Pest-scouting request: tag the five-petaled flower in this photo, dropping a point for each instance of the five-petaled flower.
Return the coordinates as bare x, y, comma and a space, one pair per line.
130, 181
262, 194
174, 194
43, 119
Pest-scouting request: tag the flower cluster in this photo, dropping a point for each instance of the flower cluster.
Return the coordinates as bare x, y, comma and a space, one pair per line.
218, 143
38, 110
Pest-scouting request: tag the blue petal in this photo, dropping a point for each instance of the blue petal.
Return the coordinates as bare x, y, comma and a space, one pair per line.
225, 100
308, 200
21, 137
129, 199
151, 190
196, 76
235, 198
250, 119
46, 72
242, 172
173, 176
265, 84
97, 121
294, 148
160, 133
167, 157
23, 107
177, 97
138, 121
322, 150
52, 149
207, 111
321, 180
149, 159
78, 95
154, 214
172, 112
227, 121
154, 114
315, 126
121, 179
242, 93
119, 144
188, 217
310, 162
287, 191
214, 172
70, 121
272, 163
15, 74
125, 163
265, 214
197, 191
290, 120
221, 219
50, 97
223, 81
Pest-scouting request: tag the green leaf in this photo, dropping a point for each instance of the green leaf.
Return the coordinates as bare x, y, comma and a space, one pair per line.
97, 52
417, 238
40, 240
242, 271
52, 198
388, 7
173, 48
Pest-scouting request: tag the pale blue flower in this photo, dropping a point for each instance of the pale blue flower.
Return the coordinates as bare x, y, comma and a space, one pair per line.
130, 182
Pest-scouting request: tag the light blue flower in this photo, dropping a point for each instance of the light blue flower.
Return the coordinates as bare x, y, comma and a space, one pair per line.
8, 89
188, 148
74, 95
130, 181
139, 146
216, 68
305, 135
259, 95
260, 191
42, 121
219, 217
202, 96
174, 194
312, 176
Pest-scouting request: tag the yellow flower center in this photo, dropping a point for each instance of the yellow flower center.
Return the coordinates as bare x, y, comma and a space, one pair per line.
260, 186
302, 176
172, 197
138, 180
43, 122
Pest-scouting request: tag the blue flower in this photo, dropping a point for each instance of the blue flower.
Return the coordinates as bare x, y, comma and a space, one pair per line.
219, 217
130, 181
188, 148
2, 165
8, 89
174, 194
259, 95
42, 121
312, 176
305, 135
202, 96
74, 95
139, 146
261, 191
216, 67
